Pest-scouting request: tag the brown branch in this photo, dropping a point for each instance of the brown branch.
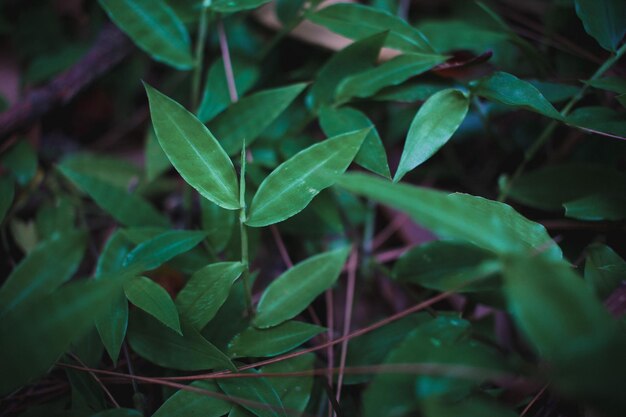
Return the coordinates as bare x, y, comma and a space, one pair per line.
110, 47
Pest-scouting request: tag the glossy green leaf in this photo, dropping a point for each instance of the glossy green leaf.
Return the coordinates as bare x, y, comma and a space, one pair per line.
154, 27
295, 289
294, 392
357, 21
254, 342
488, 224
257, 390
113, 322
218, 223
192, 404
21, 161
508, 89
434, 124
216, 97
551, 304
292, 186
250, 116
231, 6
164, 347
7, 192
604, 20
604, 270
48, 266
55, 218
154, 252
372, 156
194, 151
154, 300
129, 209
393, 72
356, 57
445, 265
35, 334
157, 162
597, 207
206, 291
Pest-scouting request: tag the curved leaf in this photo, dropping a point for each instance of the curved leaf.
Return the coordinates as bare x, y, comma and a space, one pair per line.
154, 300
295, 289
192, 404
154, 252
254, 342
292, 186
193, 150
605, 20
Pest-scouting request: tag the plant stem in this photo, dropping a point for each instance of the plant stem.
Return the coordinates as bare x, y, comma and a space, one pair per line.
197, 72
245, 276
547, 132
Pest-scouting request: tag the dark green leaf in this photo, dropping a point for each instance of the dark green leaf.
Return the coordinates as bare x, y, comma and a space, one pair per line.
434, 124
286, 10
218, 223
250, 116
231, 6
605, 20
118, 412
604, 270
555, 92
294, 290
154, 252
597, 207
21, 161
294, 392
597, 119
7, 192
115, 171
156, 160
194, 151
154, 300
292, 186
56, 218
257, 390
192, 404
614, 84
254, 342
469, 407
48, 266
154, 27
206, 291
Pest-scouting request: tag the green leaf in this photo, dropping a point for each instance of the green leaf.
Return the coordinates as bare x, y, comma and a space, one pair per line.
357, 21
55, 218
604, 20
154, 300
597, 119
257, 390
129, 209
372, 156
115, 171
294, 392
614, 84
254, 342
113, 322
49, 265
286, 10
434, 124
194, 151
154, 252
354, 58
597, 207
295, 289
164, 347
393, 72
551, 304
192, 404
488, 224
604, 270
231, 6
118, 412
155, 28
157, 162
250, 116
292, 186
507, 89
217, 223
468, 407
206, 291
555, 92
7, 192
35, 334
216, 96
445, 265
21, 161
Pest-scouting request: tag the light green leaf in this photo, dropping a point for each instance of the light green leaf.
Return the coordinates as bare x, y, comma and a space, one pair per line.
154, 27
257, 390
192, 404
292, 186
129, 209
295, 289
508, 89
7, 192
206, 291
604, 270
21, 161
154, 300
49, 265
352, 59
434, 124
164, 347
218, 223
250, 116
357, 21
194, 151
231, 6
35, 334
154, 252
372, 156
393, 72
254, 342
294, 392
488, 224
604, 20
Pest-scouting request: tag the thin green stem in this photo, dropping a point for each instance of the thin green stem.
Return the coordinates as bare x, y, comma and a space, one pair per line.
547, 132
245, 276
199, 55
